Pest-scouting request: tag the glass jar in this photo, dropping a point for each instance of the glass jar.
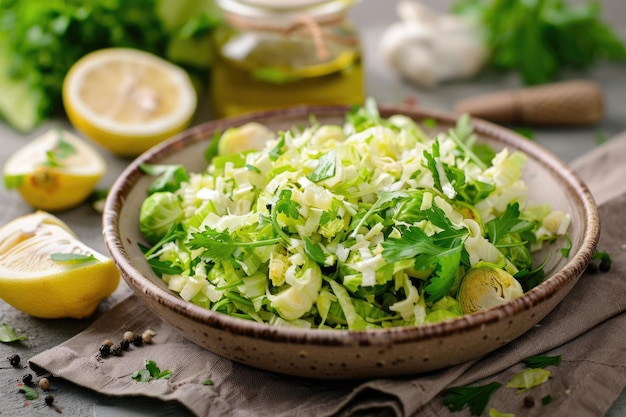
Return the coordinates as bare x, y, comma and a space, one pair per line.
277, 53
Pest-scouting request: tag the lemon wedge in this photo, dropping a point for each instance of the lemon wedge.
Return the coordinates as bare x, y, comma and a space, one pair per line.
128, 100
54, 172
47, 272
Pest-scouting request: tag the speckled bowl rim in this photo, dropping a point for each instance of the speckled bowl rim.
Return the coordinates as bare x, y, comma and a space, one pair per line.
563, 278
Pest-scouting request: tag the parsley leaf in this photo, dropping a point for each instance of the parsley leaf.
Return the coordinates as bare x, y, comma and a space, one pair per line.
286, 205
541, 361
539, 39
508, 222
415, 244
476, 398
150, 372
325, 167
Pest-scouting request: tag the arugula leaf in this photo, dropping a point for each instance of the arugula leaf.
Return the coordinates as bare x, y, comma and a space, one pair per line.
325, 167
252, 168
385, 200
541, 361
360, 118
220, 245
443, 175
72, 257
567, 248
8, 335
175, 232
169, 177
279, 149
212, 149
476, 398
463, 135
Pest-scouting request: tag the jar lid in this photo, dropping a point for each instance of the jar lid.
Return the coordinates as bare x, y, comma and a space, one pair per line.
271, 8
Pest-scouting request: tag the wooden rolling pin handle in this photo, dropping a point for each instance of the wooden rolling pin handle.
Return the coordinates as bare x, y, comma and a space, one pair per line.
568, 103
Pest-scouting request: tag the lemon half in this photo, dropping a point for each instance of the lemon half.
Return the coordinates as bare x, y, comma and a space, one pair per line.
32, 281
54, 172
128, 100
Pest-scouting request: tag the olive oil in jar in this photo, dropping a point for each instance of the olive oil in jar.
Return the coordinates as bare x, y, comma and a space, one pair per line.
295, 52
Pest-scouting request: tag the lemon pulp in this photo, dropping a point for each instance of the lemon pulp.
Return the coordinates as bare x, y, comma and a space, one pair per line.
128, 100
32, 281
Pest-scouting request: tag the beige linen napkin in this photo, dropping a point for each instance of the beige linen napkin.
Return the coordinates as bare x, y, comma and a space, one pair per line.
587, 329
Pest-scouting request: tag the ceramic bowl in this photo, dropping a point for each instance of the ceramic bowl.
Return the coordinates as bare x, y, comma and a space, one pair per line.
342, 354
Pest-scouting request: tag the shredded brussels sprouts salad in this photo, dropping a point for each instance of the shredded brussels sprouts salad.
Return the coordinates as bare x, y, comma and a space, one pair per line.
371, 224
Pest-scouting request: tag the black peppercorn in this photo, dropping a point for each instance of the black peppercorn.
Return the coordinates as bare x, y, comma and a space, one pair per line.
27, 379
49, 399
529, 401
124, 344
605, 266
105, 350
592, 268
137, 340
14, 359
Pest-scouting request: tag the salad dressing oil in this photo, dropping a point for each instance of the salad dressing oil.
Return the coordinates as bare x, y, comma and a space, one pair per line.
279, 53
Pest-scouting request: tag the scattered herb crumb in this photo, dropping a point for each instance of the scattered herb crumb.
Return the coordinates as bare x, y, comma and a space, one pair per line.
605, 260
528, 378
600, 138
150, 372
546, 400
29, 393
476, 398
207, 382
541, 361
429, 123
495, 413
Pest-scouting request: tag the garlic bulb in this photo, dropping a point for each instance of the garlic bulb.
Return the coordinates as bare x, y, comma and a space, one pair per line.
429, 48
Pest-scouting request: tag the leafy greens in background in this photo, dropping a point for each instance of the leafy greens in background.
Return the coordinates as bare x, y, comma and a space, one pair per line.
40, 40
539, 38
